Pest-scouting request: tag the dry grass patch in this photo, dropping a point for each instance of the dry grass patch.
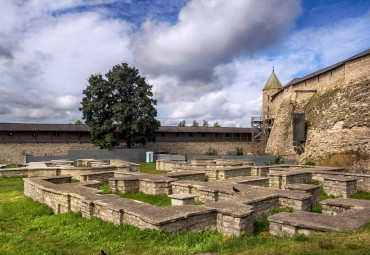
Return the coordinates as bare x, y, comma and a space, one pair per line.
344, 159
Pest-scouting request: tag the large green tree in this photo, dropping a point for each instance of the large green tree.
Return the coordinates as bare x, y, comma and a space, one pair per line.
120, 106
195, 123
182, 123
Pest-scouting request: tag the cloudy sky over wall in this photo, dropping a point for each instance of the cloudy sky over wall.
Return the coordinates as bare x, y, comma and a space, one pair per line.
207, 60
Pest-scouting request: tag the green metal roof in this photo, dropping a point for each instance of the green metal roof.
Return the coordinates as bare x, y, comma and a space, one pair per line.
273, 82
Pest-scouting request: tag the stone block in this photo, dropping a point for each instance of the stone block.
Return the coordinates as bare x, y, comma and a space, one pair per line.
182, 199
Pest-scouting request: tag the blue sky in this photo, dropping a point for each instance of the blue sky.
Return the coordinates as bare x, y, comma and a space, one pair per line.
207, 60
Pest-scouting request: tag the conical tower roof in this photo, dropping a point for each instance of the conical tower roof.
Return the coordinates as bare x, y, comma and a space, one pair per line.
273, 82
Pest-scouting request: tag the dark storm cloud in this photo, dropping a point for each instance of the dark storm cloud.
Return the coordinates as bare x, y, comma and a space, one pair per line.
5, 53
211, 33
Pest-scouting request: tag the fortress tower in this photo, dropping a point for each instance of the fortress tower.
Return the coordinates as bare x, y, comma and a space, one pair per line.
272, 86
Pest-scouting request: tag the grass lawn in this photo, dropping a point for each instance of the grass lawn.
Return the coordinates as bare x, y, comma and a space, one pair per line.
28, 227
149, 168
361, 195
158, 200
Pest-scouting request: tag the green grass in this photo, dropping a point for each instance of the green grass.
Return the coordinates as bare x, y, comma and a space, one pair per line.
149, 168
317, 209
312, 182
13, 165
28, 227
158, 200
104, 187
324, 196
197, 202
361, 195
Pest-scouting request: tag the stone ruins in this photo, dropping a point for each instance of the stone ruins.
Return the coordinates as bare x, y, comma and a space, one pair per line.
233, 194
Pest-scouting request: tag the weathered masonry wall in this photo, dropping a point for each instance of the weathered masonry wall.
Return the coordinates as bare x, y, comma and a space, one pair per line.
199, 148
62, 197
11, 152
337, 116
342, 214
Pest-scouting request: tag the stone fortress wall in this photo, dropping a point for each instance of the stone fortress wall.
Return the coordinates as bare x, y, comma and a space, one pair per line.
11, 152
199, 148
337, 114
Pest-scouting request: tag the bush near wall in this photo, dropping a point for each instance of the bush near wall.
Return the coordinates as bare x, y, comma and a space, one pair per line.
211, 151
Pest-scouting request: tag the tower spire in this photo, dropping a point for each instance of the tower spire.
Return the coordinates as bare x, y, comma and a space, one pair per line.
273, 81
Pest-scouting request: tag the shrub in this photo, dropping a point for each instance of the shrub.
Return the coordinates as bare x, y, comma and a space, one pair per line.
317, 209
309, 163
263, 225
198, 202
239, 151
277, 160
211, 152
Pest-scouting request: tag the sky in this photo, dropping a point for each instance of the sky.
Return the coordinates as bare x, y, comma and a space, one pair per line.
206, 59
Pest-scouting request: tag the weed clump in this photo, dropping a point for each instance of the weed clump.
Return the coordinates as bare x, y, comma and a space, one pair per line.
309, 163
239, 151
312, 182
276, 161
364, 195
263, 225
211, 152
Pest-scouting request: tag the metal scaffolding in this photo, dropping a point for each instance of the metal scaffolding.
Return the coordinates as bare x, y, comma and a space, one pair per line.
258, 135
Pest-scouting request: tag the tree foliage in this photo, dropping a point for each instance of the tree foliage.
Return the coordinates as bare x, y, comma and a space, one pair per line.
205, 123
195, 124
216, 125
119, 107
182, 123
